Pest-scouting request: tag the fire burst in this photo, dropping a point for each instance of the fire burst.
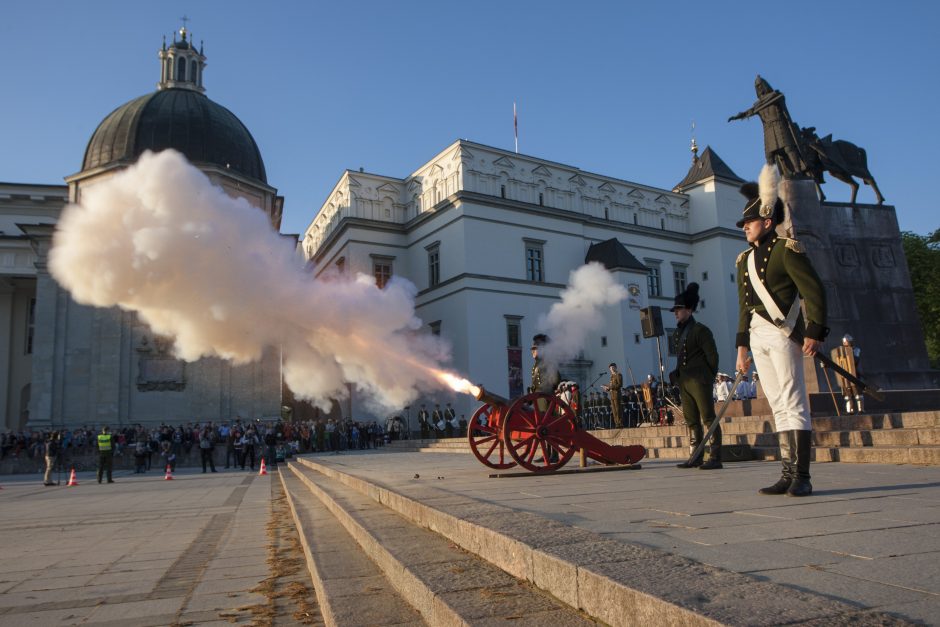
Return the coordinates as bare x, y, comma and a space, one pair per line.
458, 384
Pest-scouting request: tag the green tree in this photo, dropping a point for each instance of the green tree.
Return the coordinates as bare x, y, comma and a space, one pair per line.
923, 260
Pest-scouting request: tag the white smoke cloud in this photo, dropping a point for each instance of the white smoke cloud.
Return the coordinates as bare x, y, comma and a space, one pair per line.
209, 270
580, 311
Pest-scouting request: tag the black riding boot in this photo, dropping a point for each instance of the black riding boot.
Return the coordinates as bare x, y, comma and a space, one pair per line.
800, 486
714, 452
788, 459
695, 436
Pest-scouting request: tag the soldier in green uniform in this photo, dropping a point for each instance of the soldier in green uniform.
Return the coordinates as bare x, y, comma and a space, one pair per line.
105, 453
774, 273
544, 378
696, 367
613, 391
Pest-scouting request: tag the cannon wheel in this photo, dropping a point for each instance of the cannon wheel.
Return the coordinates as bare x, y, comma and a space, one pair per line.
540, 440
486, 441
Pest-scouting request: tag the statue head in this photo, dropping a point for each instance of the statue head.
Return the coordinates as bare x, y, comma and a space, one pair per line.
761, 86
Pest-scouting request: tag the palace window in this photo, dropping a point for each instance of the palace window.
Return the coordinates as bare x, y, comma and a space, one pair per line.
534, 260
679, 274
434, 264
513, 332
181, 69
653, 278
381, 270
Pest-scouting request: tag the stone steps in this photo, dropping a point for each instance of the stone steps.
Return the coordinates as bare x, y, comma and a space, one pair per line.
432, 580
350, 587
427, 540
906, 437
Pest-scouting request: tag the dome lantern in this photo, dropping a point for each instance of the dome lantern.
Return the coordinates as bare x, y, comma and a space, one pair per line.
181, 65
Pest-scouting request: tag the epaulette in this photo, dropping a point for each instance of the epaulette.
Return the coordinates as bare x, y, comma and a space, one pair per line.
742, 256
794, 245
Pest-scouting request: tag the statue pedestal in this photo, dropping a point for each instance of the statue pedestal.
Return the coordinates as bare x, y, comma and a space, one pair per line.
856, 250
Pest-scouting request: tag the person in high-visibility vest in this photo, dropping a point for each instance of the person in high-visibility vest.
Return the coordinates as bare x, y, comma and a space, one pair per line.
105, 453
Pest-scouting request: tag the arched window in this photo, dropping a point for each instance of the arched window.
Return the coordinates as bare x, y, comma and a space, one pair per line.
192, 71
181, 69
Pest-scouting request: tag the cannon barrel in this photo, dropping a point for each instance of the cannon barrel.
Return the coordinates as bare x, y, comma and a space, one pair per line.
490, 397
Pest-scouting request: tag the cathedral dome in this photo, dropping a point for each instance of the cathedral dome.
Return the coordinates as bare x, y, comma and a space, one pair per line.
178, 115
182, 119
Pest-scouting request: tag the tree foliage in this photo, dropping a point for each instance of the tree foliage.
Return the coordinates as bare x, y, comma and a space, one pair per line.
923, 260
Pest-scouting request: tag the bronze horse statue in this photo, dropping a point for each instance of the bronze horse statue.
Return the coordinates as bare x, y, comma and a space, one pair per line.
843, 160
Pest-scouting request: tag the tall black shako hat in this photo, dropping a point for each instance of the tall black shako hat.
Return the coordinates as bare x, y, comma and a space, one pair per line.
758, 208
539, 340
687, 299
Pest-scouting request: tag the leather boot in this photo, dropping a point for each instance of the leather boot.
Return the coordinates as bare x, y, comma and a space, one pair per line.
714, 452
800, 486
787, 458
695, 436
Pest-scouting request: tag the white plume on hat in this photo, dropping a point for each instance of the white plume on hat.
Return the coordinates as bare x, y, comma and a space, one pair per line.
768, 182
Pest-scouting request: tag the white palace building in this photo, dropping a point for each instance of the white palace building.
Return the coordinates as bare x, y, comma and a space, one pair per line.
489, 237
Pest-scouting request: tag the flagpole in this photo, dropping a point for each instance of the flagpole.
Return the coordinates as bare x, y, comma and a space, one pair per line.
515, 126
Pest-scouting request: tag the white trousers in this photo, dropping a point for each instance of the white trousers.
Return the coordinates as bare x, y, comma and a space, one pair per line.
779, 362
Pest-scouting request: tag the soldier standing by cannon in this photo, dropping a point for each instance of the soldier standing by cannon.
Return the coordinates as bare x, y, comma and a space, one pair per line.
696, 367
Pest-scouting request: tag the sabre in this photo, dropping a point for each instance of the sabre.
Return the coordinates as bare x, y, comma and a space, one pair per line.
721, 412
825, 362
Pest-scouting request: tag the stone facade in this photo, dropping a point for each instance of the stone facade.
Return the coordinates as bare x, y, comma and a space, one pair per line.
462, 226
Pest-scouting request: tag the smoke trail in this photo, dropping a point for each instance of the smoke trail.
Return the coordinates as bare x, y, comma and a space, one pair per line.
567, 323
210, 271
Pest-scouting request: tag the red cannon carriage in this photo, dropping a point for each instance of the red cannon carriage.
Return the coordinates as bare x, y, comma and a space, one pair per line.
538, 432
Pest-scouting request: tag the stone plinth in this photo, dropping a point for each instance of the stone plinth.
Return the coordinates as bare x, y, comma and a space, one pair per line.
856, 249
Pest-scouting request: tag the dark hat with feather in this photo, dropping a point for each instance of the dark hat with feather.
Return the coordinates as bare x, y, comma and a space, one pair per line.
687, 299
763, 201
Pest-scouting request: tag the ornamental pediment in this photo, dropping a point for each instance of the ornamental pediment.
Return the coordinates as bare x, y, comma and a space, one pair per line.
388, 187
607, 187
504, 162
577, 180
352, 182
635, 193
542, 171
663, 199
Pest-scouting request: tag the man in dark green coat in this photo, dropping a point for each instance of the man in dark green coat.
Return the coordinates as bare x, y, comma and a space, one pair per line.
774, 275
697, 365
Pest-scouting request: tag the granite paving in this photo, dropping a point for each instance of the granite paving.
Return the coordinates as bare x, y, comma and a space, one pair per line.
140, 551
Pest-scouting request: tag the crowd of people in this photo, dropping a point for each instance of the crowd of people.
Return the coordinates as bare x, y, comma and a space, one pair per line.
245, 442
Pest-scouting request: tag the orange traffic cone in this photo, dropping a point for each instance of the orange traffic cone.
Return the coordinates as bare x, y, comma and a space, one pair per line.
72, 479
169, 474
264, 469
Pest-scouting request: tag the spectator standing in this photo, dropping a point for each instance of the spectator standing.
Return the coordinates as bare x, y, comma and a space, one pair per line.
105, 453
205, 449
140, 456
52, 456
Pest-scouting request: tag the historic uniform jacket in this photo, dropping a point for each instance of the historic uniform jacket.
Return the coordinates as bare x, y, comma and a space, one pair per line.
696, 351
544, 379
786, 272
616, 382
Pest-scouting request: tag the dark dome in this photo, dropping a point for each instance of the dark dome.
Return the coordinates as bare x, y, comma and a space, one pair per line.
182, 119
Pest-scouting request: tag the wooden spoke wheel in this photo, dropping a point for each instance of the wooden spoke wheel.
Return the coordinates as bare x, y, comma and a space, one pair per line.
486, 439
537, 430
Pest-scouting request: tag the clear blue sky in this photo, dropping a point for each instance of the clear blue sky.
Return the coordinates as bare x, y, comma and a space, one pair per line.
610, 87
